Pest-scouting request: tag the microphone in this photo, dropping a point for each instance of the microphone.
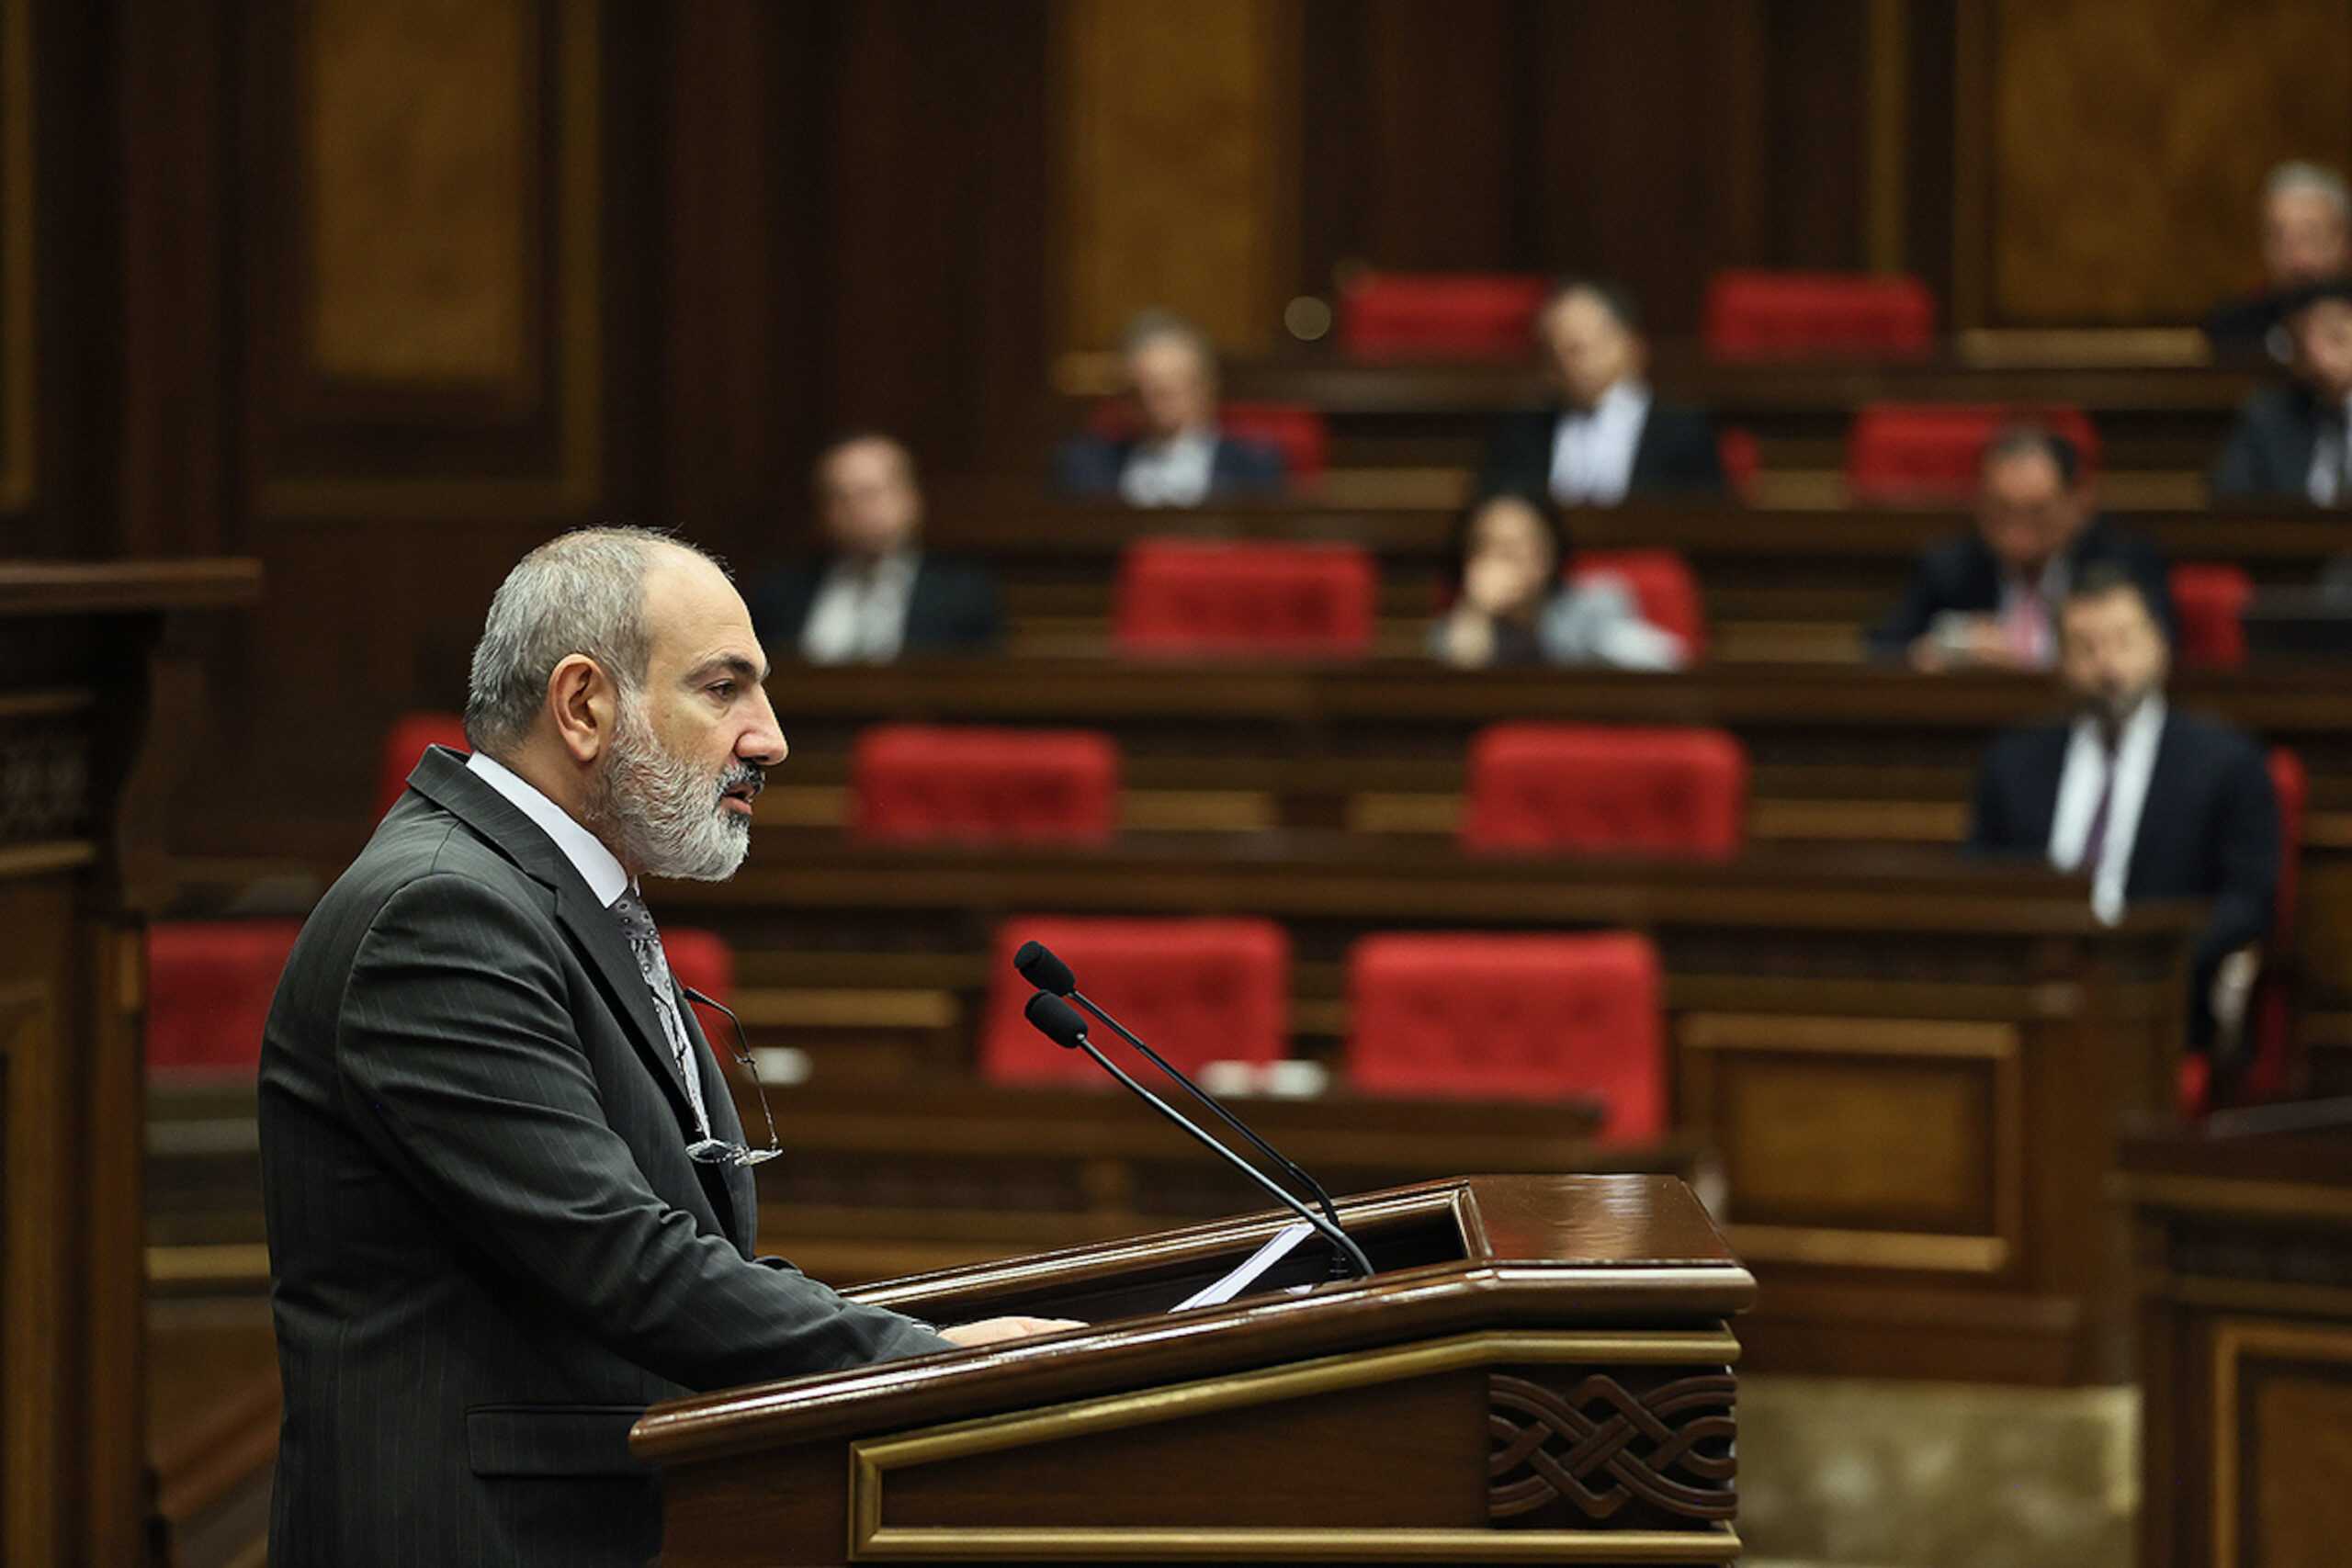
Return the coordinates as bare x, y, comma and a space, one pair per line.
1039, 966
1061, 1023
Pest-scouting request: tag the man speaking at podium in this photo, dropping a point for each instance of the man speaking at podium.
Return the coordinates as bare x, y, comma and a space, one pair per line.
508, 1196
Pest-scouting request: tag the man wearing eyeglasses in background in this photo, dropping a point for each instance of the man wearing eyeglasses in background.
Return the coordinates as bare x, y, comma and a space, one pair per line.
510, 1202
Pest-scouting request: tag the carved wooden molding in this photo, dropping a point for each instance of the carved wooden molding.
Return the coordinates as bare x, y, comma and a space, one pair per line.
1601, 1447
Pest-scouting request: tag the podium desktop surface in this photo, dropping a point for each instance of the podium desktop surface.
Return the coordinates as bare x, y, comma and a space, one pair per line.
1540, 1369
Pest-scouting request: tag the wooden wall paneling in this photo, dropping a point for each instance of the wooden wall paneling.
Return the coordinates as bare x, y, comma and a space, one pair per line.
31, 1276
17, 207
742, 108
1177, 160
1653, 125
2282, 1425
1444, 104
935, 304
1824, 80
426, 304
1928, 170
174, 451
2128, 142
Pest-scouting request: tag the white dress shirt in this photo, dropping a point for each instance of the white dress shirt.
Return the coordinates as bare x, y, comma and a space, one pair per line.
2079, 784
1170, 473
859, 613
1592, 452
2331, 462
587, 853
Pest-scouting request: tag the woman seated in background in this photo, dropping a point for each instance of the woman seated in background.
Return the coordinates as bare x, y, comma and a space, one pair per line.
1513, 603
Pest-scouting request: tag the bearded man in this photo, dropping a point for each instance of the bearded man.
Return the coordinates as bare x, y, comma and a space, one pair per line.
510, 1204
2141, 799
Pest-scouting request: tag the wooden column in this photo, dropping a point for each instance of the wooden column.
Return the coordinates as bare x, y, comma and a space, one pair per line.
81, 647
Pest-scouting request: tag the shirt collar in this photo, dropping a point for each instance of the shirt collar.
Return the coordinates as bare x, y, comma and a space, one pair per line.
1622, 400
2139, 731
597, 867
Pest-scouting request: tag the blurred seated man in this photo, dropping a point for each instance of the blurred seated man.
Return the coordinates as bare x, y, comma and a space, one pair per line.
1989, 599
2290, 440
2145, 802
1607, 437
1512, 605
1178, 457
877, 594
2306, 239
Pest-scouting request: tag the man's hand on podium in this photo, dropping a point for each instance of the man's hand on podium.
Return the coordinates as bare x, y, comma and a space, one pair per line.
996, 1330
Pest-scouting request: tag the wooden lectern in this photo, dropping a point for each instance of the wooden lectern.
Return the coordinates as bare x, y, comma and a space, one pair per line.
1539, 1370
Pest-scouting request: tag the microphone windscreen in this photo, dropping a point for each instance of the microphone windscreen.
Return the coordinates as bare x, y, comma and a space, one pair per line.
1055, 1020
1041, 969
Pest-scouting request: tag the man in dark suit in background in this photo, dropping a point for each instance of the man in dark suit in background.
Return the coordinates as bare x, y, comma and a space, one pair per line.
1608, 438
876, 594
508, 1196
1178, 457
2291, 439
1989, 599
2145, 802
2306, 239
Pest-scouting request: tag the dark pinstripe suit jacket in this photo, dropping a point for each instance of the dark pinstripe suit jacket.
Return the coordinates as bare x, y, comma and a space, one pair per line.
489, 1251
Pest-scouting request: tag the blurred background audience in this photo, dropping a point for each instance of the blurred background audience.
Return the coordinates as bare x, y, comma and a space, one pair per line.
876, 593
1988, 599
1175, 455
2306, 239
1514, 603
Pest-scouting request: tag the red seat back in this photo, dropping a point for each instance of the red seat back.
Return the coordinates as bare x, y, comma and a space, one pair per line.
2273, 1064
1682, 791
1663, 586
2209, 601
1189, 596
1742, 461
405, 743
1537, 1016
1928, 453
703, 960
917, 781
1788, 315
1298, 432
1470, 315
1199, 990
209, 984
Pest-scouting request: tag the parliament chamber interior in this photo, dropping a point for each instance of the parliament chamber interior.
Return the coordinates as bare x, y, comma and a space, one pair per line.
1700, 652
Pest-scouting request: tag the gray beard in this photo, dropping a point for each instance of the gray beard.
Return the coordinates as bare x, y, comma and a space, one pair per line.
664, 810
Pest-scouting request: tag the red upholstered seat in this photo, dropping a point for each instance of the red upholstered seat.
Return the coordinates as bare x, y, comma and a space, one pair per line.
1663, 586
1297, 431
915, 781
1742, 460
1472, 315
209, 984
1194, 596
1199, 990
1928, 453
1788, 315
2211, 599
405, 743
1682, 791
1541, 1016
703, 960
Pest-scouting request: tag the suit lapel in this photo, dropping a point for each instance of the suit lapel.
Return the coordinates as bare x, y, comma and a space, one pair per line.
441, 777
2163, 781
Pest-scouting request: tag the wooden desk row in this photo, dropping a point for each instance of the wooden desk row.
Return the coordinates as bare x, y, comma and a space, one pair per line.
2150, 418
1903, 1073
1903, 1069
1776, 584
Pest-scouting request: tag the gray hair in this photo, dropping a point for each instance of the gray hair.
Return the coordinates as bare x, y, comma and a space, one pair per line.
582, 592
2299, 174
1151, 325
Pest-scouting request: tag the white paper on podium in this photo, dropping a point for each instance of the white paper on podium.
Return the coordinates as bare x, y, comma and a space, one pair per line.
1278, 1247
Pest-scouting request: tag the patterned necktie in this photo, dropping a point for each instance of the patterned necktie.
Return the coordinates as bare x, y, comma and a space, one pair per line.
637, 924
